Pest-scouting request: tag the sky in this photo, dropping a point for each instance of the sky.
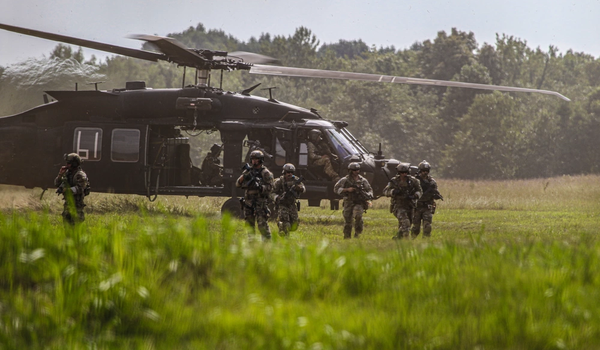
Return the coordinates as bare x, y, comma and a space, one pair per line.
566, 25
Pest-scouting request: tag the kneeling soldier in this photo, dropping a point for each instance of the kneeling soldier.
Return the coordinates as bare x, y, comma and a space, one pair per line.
257, 180
357, 193
286, 190
404, 190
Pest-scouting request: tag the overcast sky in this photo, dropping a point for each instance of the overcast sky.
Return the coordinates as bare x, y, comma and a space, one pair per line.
567, 25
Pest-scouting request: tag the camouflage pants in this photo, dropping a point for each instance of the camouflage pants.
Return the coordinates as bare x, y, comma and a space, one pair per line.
422, 213
73, 213
288, 219
256, 211
353, 214
403, 214
325, 162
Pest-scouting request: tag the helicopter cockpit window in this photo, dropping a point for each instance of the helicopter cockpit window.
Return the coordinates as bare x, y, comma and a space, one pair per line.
125, 145
87, 142
342, 145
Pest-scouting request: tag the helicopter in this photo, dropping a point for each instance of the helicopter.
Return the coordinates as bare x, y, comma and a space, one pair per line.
131, 138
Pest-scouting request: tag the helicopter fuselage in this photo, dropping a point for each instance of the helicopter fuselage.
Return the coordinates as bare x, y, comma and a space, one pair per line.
131, 140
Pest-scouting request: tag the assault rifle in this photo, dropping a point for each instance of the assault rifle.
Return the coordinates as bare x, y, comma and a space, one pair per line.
251, 179
361, 193
291, 191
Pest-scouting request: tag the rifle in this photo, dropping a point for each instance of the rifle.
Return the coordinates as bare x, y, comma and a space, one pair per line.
251, 180
291, 191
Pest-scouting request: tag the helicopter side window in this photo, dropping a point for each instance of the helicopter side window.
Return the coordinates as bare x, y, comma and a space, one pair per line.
303, 155
125, 145
87, 143
342, 145
279, 153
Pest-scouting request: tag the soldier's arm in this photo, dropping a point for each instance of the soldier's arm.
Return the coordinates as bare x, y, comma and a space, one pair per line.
367, 187
339, 186
240, 180
388, 191
312, 153
267, 177
300, 188
418, 190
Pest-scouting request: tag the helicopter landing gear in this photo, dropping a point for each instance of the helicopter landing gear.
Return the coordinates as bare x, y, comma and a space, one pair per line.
232, 205
334, 204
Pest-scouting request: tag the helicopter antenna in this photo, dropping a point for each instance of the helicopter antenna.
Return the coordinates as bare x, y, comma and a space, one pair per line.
95, 83
271, 99
183, 81
221, 82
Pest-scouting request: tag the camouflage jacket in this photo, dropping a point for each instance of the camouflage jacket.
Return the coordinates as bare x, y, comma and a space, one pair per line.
257, 182
410, 187
74, 181
320, 149
363, 193
281, 188
429, 187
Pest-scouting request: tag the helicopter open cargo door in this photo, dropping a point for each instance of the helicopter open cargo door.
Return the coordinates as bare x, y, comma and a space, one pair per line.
113, 155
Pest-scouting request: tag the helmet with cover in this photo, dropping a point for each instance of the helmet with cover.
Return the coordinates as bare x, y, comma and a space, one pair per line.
73, 159
314, 134
354, 166
256, 154
289, 167
424, 166
403, 167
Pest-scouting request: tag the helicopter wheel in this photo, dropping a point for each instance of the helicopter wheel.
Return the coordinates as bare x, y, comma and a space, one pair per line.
232, 205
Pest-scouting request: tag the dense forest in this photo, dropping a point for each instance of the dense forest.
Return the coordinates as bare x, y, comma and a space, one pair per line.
463, 133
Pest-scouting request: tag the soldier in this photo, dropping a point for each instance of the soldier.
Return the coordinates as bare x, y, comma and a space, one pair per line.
426, 204
357, 194
73, 184
257, 180
212, 171
286, 190
404, 190
320, 155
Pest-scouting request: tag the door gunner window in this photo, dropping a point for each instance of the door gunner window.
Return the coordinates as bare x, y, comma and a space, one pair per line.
87, 142
342, 145
125, 145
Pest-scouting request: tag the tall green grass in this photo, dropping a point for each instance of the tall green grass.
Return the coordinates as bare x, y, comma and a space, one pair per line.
175, 275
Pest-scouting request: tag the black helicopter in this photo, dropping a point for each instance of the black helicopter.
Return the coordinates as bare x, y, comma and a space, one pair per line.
131, 138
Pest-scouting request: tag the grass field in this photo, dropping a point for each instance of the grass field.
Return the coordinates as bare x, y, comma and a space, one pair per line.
510, 265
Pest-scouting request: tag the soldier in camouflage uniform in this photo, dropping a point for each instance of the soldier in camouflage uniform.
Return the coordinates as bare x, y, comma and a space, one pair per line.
286, 190
404, 190
257, 180
212, 171
426, 204
320, 155
73, 184
357, 193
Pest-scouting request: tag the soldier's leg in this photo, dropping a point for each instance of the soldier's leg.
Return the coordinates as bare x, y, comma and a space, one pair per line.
284, 221
427, 220
328, 168
250, 219
357, 213
262, 218
347, 212
403, 222
416, 222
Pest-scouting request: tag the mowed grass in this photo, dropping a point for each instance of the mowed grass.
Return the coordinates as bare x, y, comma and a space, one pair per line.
510, 265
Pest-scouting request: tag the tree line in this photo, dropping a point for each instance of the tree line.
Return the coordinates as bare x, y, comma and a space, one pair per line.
463, 133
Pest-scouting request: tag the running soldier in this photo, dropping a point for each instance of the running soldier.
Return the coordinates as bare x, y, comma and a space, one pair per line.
212, 170
357, 193
286, 190
257, 180
73, 184
320, 155
426, 204
404, 190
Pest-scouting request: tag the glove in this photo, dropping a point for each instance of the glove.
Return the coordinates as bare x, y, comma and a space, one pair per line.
396, 192
411, 197
60, 190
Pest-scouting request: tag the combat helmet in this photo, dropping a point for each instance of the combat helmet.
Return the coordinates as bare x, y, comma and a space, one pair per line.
256, 154
403, 167
353, 166
314, 134
73, 159
424, 166
288, 167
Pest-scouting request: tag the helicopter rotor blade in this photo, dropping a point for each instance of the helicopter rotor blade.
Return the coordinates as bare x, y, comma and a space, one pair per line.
125, 51
325, 74
174, 50
250, 57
